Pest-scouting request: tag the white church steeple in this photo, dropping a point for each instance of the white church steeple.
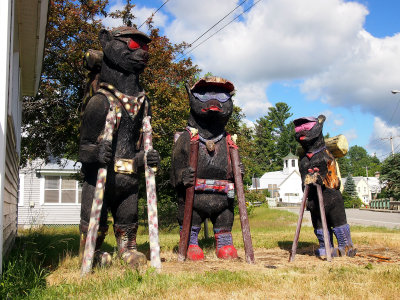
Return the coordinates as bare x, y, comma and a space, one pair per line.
290, 163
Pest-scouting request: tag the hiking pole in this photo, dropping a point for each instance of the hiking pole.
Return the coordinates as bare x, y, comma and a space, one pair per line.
324, 224
155, 260
189, 198
244, 220
299, 221
97, 204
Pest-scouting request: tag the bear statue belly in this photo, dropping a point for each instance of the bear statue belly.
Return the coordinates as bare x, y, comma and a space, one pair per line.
212, 166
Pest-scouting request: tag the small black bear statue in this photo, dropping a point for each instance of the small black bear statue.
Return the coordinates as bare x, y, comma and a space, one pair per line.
319, 166
125, 55
210, 109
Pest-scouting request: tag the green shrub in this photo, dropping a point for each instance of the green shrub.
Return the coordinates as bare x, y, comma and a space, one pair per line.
351, 202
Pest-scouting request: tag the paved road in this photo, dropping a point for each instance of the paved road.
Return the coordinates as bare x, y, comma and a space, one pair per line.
361, 217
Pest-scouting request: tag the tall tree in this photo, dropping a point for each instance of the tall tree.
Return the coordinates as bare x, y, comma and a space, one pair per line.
390, 174
350, 187
274, 137
51, 119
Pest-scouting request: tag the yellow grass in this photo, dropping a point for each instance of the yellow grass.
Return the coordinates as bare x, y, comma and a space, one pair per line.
271, 277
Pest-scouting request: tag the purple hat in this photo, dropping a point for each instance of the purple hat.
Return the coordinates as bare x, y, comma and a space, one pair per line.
303, 120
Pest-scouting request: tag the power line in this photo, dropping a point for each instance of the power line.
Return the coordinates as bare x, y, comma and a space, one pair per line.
190, 45
247, 9
152, 15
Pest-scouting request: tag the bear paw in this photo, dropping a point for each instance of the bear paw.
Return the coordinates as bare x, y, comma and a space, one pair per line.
134, 258
102, 259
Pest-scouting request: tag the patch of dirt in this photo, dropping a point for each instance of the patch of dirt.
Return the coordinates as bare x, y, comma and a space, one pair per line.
266, 259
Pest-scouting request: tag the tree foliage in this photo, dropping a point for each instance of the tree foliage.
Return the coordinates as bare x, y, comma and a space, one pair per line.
350, 186
274, 138
390, 174
357, 162
51, 119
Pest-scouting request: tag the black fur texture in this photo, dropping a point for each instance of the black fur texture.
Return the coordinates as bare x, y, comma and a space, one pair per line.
210, 118
121, 67
313, 140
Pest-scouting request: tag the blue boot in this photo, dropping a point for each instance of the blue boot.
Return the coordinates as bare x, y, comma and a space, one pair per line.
321, 252
345, 243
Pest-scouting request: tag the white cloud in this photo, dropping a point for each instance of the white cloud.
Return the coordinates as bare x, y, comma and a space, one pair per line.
141, 15
252, 99
379, 142
350, 134
274, 40
277, 39
364, 77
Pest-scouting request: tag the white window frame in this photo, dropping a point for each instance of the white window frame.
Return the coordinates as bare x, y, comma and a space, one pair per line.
59, 175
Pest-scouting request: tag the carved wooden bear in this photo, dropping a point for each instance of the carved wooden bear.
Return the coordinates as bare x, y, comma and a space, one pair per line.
210, 109
319, 166
125, 56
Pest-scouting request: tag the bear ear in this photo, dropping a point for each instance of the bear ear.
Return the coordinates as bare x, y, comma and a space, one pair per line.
188, 89
105, 36
321, 119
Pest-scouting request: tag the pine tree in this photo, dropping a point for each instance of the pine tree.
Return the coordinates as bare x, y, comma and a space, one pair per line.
350, 186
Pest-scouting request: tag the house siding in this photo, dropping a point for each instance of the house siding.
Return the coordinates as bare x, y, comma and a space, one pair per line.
33, 212
10, 191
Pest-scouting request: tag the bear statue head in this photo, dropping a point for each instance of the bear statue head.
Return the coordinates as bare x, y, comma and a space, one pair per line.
125, 49
210, 101
309, 131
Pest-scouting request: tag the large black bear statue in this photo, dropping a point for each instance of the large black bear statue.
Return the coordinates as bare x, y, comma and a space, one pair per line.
319, 166
210, 109
125, 55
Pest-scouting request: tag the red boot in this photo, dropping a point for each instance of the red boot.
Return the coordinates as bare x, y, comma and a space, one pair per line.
224, 245
227, 252
194, 252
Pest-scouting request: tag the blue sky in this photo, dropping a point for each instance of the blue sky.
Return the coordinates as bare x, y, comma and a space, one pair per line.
333, 57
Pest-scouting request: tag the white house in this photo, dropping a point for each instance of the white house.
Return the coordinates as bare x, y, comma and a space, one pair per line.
367, 187
22, 30
48, 194
362, 188
286, 184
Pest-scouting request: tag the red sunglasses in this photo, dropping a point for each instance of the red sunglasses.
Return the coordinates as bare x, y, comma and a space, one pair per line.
133, 44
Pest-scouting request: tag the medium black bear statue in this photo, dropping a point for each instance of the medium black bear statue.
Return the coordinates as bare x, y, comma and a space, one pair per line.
319, 166
125, 55
210, 109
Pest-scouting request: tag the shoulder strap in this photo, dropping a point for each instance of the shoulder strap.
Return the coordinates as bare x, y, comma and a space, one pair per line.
114, 104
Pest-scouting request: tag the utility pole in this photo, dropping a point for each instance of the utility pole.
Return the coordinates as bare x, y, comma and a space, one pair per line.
391, 142
366, 170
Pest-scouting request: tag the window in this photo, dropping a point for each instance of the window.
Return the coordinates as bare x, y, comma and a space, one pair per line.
62, 189
273, 190
286, 163
293, 163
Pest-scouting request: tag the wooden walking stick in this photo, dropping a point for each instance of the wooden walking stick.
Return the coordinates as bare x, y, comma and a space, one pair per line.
244, 220
323, 220
88, 254
299, 221
187, 216
324, 224
155, 260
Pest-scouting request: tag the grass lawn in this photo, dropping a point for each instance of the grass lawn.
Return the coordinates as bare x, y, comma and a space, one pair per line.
44, 265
